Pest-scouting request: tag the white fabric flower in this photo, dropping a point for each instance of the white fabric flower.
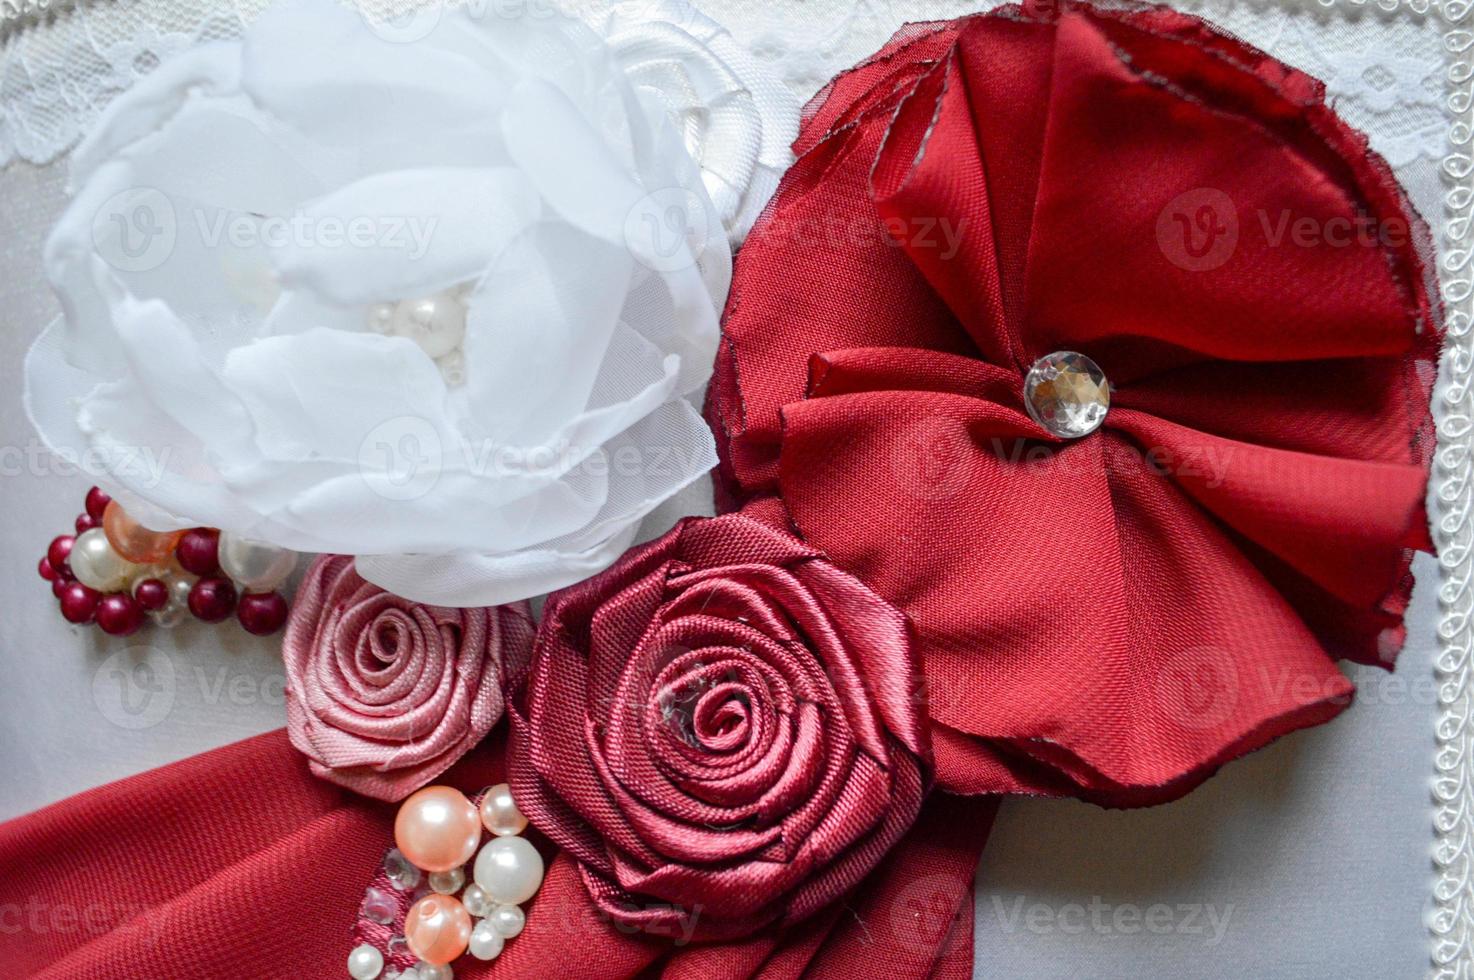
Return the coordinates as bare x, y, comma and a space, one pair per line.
434, 301
738, 118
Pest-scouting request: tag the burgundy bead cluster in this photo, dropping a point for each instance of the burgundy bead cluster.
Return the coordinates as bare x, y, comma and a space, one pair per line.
189, 577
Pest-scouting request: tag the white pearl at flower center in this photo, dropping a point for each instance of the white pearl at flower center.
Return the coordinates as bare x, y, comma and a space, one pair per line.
436, 323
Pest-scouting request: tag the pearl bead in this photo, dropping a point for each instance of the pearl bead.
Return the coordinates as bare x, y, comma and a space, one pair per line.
437, 829
212, 599
262, 613
508, 920
452, 368
436, 323
151, 594
477, 902
179, 589
365, 962
97, 501
198, 551
96, 565
254, 565
78, 602
134, 541
499, 813
433, 971
381, 317
447, 882
58, 552
437, 929
119, 615
486, 943
509, 869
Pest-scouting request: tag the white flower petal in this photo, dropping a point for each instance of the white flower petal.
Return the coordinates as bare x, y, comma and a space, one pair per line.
407, 233
537, 335
323, 70
296, 388
674, 449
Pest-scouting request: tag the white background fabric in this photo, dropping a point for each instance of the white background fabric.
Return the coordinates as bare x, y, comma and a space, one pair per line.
1316, 850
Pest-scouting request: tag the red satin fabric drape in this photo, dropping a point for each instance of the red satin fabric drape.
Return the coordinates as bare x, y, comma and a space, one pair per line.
238, 864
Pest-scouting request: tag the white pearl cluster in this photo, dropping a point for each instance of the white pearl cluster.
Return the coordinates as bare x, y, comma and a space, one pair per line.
506, 872
436, 323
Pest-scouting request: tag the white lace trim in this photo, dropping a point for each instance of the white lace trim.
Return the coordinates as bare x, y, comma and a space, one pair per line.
58, 72
1452, 921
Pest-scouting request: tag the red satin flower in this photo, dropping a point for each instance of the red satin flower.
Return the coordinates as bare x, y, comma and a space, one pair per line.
722, 729
1115, 615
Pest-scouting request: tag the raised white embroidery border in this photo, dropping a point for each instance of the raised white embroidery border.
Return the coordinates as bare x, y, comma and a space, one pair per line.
1452, 919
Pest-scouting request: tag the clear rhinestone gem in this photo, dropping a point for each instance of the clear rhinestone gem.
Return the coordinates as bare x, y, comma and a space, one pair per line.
402, 874
378, 906
447, 882
1067, 393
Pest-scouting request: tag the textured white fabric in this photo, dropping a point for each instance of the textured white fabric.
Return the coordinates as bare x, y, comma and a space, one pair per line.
739, 120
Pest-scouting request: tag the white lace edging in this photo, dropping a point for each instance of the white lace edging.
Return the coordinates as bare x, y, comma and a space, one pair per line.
61, 66
1452, 919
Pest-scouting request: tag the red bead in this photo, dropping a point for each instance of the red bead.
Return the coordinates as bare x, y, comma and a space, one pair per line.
97, 502
78, 603
46, 571
86, 522
262, 613
59, 585
57, 553
212, 599
198, 551
119, 615
151, 594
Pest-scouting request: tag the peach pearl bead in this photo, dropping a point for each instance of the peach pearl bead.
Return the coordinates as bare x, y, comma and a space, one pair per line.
134, 541
437, 829
438, 929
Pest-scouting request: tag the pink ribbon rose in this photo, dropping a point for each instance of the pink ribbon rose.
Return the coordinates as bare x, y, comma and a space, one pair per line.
384, 694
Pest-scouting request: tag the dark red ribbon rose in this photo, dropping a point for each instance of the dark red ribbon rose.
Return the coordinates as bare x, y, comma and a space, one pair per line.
723, 729
1116, 615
